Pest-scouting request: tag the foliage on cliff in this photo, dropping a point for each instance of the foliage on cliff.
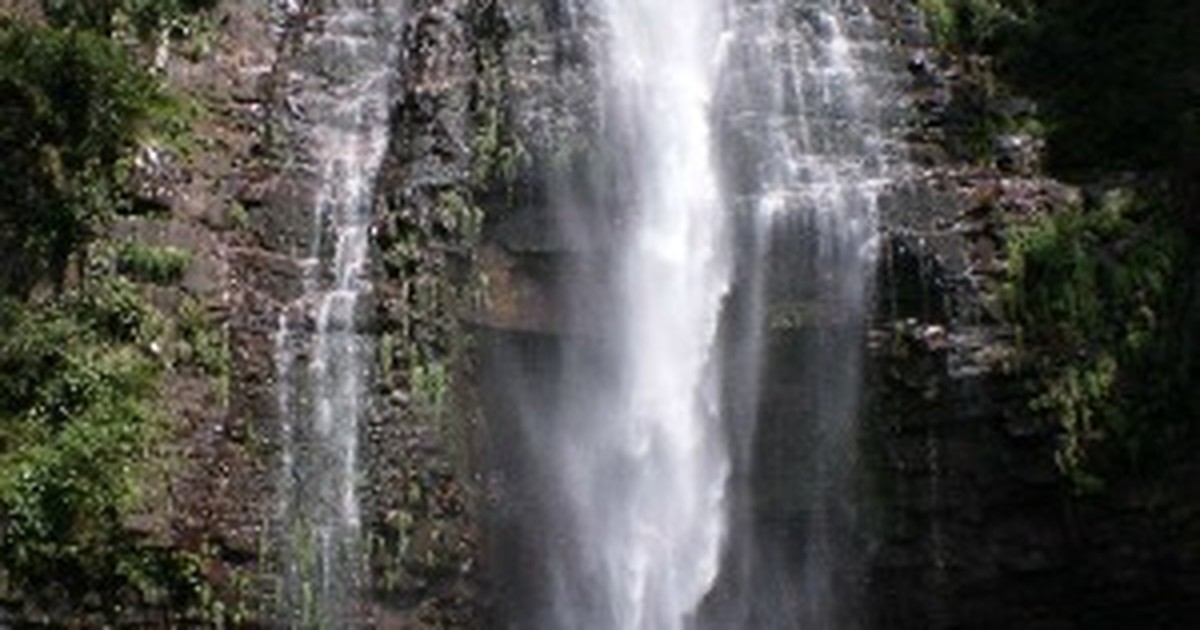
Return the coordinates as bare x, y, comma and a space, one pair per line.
1104, 294
1100, 294
1117, 81
72, 104
78, 412
146, 17
81, 356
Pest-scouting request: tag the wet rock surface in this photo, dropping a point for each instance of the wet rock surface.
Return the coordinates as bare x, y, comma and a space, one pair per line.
970, 523
222, 493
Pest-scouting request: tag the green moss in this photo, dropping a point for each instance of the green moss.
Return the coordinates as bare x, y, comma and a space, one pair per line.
203, 344
172, 122
939, 19
459, 216
498, 156
147, 263
238, 215
387, 355
429, 384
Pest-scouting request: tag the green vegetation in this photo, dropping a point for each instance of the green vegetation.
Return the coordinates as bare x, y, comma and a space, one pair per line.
1103, 294
202, 344
430, 386
146, 263
1092, 291
972, 24
72, 105
981, 112
81, 357
498, 156
78, 423
459, 216
1117, 80
110, 16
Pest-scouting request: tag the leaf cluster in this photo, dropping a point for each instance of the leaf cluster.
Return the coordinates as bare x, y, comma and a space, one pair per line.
147, 263
80, 366
1092, 291
1118, 80
72, 105
78, 420
105, 16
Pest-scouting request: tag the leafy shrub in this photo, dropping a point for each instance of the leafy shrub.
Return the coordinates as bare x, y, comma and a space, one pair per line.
1116, 78
80, 367
146, 16
972, 24
1091, 290
72, 105
203, 344
78, 421
147, 263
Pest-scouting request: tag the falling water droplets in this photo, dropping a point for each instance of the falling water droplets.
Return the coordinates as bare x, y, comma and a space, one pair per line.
339, 95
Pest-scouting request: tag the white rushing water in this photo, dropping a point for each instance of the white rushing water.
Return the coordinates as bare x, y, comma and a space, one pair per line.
755, 157
804, 99
339, 93
645, 477
688, 437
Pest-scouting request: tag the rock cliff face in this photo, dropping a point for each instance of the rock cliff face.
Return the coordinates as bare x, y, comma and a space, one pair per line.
970, 523
422, 506
212, 202
963, 520
454, 168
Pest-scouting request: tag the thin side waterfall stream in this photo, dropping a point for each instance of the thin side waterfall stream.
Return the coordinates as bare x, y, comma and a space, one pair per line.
340, 92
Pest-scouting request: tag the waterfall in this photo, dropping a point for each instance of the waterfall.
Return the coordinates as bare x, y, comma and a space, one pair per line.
807, 159
687, 437
643, 464
339, 94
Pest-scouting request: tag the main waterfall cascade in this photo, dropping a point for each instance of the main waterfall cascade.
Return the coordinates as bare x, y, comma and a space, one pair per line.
745, 155
640, 458
340, 95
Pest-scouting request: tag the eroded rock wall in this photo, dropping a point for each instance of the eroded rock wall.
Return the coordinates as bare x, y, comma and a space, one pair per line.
970, 522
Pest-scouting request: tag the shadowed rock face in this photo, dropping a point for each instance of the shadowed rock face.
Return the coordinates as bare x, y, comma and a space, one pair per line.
970, 523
